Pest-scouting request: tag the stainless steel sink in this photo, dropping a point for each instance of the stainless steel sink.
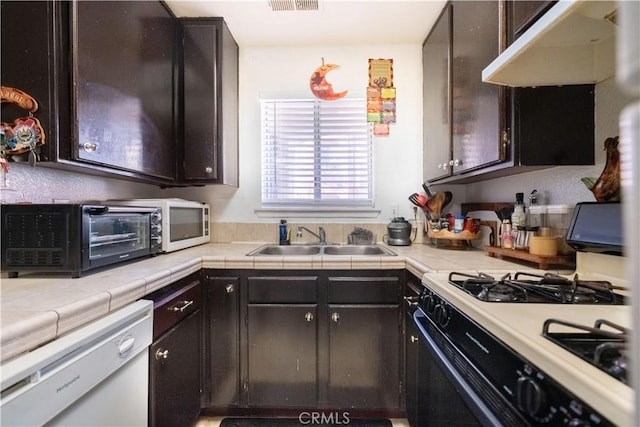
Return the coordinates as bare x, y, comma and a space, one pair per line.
329, 250
357, 250
286, 250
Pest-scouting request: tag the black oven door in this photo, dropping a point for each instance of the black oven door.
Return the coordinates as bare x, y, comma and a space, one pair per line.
448, 384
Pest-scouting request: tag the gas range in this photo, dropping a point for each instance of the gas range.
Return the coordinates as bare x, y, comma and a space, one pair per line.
552, 345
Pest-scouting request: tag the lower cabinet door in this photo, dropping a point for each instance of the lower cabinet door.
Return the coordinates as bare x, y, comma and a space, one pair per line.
223, 340
411, 370
364, 356
174, 383
282, 355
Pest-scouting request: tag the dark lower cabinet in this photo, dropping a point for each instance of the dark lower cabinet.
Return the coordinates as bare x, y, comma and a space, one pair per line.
282, 355
175, 356
411, 297
175, 375
415, 412
365, 329
222, 338
364, 356
304, 340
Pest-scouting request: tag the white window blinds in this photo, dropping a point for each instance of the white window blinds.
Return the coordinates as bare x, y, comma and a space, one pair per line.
316, 153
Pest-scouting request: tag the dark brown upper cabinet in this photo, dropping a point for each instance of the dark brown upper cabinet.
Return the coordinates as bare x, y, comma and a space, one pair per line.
523, 14
103, 75
123, 86
475, 131
436, 66
125, 89
209, 101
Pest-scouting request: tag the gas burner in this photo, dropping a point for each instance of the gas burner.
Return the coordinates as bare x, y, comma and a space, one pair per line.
495, 293
537, 288
604, 349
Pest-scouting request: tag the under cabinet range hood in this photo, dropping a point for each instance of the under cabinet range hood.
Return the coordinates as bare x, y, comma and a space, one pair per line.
573, 43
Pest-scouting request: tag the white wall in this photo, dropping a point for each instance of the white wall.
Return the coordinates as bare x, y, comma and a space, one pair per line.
286, 70
41, 184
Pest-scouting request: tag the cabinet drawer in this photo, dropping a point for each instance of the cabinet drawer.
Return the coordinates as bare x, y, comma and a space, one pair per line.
171, 308
283, 289
364, 290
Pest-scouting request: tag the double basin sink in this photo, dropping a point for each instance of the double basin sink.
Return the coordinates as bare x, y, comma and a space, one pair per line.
328, 249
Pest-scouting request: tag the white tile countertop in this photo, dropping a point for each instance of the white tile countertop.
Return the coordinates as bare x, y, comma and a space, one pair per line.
36, 308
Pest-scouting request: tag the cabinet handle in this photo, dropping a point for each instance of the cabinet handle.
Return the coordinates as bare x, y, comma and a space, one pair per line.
457, 162
160, 354
229, 289
335, 317
445, 166
89, 147
308, 317
505, 137
208, 169
185, 304
414, 338
411, 301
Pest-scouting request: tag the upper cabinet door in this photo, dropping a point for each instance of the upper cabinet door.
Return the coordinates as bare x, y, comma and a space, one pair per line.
477, 107
123, 73
436, 69
209, 119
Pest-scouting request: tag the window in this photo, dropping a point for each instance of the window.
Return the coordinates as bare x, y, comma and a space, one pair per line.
316, 153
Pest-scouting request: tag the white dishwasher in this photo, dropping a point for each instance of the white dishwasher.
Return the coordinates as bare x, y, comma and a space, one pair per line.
94, 376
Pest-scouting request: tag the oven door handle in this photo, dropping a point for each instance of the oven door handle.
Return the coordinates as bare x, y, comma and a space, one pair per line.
468, 394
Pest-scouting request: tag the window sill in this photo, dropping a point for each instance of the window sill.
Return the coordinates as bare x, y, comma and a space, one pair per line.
301, 212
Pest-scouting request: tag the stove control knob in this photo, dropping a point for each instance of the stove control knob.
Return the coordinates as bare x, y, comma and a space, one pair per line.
430, 302
441, 314
530, 396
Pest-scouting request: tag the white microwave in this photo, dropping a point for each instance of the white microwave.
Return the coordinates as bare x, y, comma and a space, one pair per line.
184, 223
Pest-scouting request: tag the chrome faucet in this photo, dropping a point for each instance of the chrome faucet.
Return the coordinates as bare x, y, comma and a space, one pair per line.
322, 236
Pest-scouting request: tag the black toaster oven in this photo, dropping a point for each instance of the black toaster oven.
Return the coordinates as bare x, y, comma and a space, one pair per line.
75, 238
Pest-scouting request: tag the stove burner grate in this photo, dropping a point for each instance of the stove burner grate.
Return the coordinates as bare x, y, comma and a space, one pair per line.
604, 349
531, 287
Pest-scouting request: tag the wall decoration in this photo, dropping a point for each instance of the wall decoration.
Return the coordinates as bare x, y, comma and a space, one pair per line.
381, 96
606, 188
319, 85
381, 129
374, 105
381, 72
24, 135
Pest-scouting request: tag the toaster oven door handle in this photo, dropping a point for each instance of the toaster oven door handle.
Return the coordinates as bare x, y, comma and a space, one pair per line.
96, 210
101, 210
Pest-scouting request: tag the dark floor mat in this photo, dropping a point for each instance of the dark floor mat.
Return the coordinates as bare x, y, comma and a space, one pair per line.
304, 421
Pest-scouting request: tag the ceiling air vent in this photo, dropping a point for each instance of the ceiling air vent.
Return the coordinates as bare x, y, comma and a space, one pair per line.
282, 5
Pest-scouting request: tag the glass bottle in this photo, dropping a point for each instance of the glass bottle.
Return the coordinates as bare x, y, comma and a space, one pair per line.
519, 217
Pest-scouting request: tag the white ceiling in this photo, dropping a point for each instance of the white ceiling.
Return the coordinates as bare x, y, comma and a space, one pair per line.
348, 22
